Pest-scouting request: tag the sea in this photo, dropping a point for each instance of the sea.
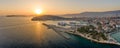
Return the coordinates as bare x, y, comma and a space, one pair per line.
22, 32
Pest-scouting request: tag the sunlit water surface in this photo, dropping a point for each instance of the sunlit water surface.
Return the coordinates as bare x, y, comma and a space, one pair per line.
21, 32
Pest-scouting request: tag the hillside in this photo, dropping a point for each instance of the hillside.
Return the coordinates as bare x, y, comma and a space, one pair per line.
94, 14
47, 17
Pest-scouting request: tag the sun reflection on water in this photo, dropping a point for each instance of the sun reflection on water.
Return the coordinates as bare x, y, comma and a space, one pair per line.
40, 32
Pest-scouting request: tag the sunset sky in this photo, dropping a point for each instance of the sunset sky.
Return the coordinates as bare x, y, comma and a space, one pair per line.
56, 7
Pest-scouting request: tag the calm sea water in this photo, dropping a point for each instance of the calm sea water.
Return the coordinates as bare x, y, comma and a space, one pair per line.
116, 35
21, 32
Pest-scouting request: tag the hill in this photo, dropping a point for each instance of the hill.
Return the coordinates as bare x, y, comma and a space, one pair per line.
96, 14
47, 17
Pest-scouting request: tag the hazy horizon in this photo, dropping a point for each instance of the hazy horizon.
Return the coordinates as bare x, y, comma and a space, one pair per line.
56, 7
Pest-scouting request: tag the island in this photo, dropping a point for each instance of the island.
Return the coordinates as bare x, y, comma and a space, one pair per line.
19, 15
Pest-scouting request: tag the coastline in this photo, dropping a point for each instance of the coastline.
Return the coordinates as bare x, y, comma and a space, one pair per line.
107, 42
57, 29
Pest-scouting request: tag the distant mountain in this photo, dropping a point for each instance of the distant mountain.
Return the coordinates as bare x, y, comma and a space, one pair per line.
94, 14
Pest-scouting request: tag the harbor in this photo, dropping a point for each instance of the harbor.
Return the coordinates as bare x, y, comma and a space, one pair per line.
36, 35
60, 29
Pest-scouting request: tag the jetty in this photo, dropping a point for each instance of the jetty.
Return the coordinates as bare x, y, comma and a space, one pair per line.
56, 29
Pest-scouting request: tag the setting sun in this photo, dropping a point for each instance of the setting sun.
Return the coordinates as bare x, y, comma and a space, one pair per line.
38, 11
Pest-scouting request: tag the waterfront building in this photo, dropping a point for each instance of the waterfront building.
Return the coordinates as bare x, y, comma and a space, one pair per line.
62, 23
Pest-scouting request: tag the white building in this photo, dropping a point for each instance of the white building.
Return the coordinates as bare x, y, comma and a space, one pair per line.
118, 26
81, 23
62, 23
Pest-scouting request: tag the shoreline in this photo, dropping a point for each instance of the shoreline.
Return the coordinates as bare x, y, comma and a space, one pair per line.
82, 35
106, 42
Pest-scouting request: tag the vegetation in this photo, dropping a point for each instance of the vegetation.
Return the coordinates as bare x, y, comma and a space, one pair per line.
91, 30
47, 17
